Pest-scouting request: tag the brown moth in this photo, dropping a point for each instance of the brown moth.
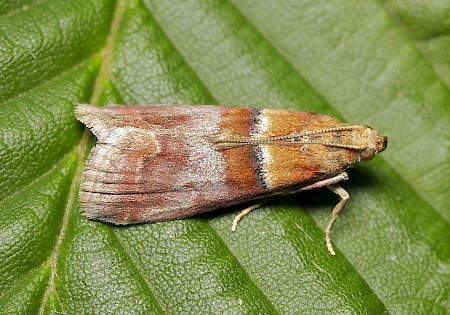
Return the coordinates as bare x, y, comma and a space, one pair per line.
164, 162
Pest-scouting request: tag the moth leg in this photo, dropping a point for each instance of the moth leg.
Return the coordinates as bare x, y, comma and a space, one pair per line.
242, 214
343, 194
327, 182
331, 183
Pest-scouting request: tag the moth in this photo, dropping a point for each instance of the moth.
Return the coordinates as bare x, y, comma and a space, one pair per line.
164, 162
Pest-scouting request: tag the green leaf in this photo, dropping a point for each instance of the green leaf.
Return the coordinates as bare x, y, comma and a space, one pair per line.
428, 24
385, 64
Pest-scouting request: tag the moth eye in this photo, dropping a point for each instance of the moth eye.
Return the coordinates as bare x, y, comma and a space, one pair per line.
367, 154
385, 141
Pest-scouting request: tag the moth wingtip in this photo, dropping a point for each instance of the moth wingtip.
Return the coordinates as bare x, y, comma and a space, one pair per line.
82, 110
95, 213
104, 218
92, 116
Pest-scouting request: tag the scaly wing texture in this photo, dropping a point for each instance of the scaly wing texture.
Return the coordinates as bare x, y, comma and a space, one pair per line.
155, 163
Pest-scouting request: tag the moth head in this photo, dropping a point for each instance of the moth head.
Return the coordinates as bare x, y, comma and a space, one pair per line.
375, 143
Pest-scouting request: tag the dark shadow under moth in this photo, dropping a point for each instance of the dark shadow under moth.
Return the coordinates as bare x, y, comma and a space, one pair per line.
165, 162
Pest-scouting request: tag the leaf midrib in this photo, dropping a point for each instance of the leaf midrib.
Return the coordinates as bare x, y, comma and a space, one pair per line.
83, 152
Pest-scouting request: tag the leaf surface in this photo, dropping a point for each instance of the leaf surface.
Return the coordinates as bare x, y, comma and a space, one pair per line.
364, 62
